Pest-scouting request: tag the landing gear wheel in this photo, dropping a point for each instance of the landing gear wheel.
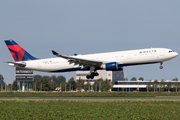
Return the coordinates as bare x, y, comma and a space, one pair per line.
161, 67
88, 76
92, 77
92, 74
96, 74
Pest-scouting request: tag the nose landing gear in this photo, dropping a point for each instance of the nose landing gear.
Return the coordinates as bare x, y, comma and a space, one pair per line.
161, 67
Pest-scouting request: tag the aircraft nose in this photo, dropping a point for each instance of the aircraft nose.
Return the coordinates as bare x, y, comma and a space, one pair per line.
176, 54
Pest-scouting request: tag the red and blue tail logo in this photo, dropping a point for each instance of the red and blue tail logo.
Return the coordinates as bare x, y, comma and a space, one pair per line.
18, 53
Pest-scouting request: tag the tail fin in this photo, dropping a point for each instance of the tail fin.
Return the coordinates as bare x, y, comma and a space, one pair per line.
17, 52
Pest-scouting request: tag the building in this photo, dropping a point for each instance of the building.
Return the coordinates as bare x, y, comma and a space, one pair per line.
112, 75
119, 83
133, 86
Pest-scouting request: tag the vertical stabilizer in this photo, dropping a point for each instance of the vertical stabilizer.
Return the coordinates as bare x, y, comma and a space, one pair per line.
17, 52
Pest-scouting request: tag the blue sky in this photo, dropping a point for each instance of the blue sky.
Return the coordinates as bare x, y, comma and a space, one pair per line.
83, 27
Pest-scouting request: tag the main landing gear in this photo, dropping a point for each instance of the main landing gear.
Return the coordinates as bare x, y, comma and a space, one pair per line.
91, 75
161, 67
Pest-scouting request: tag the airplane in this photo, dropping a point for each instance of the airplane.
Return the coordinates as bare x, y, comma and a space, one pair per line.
109, 61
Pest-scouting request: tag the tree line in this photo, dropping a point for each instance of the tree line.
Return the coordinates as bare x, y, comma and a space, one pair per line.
49, 83
134, 79
40, 83
99, 85
162, 86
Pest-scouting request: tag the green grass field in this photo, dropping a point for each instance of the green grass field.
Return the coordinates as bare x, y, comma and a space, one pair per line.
110, 110
35, 105
109, 94
94, 98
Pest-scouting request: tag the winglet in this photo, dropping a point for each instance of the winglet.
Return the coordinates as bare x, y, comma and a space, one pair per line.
54, 53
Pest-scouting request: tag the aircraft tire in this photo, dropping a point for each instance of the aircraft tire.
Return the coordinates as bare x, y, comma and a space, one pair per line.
96, 74
88, 76
92, 77
161, 67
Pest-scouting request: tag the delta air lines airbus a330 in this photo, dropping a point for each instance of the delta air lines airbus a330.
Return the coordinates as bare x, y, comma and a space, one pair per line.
110, 61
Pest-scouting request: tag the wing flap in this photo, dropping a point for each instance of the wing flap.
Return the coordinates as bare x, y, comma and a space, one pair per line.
79, 61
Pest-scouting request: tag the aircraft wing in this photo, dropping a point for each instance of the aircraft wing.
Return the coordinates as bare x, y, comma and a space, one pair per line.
17, 64
79, 61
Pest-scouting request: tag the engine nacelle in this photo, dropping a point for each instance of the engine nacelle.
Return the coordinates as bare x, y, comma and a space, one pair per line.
113, 66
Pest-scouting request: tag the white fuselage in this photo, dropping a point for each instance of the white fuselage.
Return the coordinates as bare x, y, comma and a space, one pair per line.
123, 58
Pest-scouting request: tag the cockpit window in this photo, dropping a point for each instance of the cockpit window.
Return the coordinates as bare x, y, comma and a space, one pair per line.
171, 51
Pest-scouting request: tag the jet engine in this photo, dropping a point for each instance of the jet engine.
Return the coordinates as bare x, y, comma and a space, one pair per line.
112, 66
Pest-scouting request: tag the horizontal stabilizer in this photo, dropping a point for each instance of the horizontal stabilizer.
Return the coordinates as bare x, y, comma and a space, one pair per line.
17, 64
